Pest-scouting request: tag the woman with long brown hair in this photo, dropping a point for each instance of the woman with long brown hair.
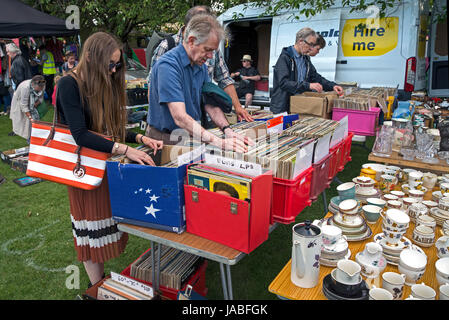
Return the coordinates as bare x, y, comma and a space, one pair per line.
92, 98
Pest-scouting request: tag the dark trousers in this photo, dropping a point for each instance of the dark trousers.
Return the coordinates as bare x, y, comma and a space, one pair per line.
49, 86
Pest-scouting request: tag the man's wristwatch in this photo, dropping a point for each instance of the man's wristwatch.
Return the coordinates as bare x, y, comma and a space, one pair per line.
225, 127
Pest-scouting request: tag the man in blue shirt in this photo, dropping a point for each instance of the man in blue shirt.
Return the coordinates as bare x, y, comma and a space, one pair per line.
175, 93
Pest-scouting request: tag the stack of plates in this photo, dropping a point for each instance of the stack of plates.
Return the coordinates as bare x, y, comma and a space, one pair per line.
331, 294
357, 230
436, 195
335, 202
374, 193
439, 215
392, 252
330, 257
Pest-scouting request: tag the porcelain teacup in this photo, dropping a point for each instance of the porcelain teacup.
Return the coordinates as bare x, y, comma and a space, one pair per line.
423, 292
381, 203
405, 173
346, 190
394, 283
379, 294
331, 236
407, 202
444, 187
398, 194
396, 218
417, 194
371, 213
364, 184
387, 182
444, 291
415, 179
394, 204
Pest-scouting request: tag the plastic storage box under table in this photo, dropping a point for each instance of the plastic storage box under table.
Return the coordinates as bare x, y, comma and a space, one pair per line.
239, 224
335, 158
197, 280
290, 197
363, 123
320, 177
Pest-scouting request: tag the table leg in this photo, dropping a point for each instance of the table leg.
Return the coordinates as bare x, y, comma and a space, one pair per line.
323, 194
223, 282
228, 271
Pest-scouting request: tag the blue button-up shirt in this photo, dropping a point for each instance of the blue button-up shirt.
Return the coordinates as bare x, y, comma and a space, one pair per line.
174, 79
300, 65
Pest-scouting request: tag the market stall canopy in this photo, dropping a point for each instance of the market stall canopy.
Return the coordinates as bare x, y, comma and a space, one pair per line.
19, 20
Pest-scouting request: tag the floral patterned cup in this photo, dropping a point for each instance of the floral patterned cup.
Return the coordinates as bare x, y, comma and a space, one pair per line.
394, 283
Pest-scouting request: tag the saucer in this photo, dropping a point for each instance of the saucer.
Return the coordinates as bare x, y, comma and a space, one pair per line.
327, 262
392, 249
341, 246
367, 234
330, 293
357, 222
439, 213
368, 193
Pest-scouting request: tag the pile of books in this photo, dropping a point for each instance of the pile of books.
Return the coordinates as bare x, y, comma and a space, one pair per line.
312, 127
175, 267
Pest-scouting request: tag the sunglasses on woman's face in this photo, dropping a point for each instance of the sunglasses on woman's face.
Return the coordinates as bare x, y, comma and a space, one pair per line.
113, 65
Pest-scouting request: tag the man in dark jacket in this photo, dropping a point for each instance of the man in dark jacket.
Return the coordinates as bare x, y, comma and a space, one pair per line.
294, 73
20, 68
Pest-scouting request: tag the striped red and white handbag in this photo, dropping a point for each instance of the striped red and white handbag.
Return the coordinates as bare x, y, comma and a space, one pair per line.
55, 156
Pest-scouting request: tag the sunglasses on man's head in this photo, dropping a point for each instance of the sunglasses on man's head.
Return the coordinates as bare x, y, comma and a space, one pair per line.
113, 65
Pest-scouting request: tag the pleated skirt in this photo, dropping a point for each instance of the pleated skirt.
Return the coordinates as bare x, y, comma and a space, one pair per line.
95, 233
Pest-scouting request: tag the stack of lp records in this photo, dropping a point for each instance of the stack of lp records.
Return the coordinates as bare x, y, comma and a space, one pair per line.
312, 127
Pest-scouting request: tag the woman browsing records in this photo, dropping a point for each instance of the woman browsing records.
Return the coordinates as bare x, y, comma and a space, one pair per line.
92, 98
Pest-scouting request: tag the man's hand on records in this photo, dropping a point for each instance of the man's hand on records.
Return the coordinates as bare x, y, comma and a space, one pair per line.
242, 114
316, 86
229, 133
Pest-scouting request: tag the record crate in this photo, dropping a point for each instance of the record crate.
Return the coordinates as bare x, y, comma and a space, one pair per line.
290, 197
360, 122
239, 224
346, 154
320, 177
335, 156
197, 280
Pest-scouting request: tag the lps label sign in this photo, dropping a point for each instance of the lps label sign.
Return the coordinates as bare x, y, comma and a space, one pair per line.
369, 40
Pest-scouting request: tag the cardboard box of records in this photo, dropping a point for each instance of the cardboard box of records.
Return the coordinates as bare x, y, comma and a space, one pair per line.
313, 104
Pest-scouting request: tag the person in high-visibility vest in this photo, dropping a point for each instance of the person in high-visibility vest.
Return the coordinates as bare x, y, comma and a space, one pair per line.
48, 69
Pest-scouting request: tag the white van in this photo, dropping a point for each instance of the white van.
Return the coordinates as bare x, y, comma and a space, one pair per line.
390, 52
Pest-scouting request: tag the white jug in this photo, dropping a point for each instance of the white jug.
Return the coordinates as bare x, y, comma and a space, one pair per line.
306, 251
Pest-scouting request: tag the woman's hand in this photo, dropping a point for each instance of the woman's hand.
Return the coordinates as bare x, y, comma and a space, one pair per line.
139, 156
152, 143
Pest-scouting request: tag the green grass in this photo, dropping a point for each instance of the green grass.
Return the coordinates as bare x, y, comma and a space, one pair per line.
36, 243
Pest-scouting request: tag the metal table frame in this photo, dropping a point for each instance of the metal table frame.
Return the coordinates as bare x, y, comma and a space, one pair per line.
226, 279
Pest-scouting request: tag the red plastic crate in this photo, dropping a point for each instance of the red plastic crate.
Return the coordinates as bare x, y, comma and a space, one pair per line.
290, 197
334, 160
320, 177
346, 154
196, 280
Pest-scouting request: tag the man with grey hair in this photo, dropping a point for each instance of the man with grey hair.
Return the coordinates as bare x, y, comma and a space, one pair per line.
177, 79
20, 67
218, 70
294, 73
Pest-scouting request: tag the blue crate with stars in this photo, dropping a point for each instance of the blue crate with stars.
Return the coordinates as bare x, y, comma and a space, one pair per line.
149, 196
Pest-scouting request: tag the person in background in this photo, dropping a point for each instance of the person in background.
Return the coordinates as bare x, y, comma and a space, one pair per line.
27, 97
20, 68
217, 68
248, 75
92, 99
56, 47
70, 62
47, 61
320, 44
5, 97
53, 98
294, 73
177, 79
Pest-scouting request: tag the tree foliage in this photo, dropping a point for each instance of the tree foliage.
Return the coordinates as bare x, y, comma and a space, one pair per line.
121, 17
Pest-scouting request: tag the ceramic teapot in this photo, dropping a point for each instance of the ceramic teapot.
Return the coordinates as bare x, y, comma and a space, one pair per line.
371, 260
306, 251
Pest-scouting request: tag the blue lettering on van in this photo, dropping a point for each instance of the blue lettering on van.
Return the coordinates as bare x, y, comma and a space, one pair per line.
329, 33
366, 32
